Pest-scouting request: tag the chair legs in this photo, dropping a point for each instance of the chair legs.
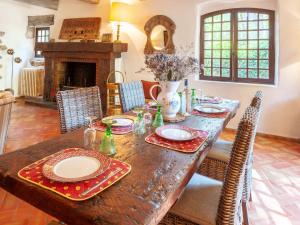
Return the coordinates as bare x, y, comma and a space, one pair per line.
245, 213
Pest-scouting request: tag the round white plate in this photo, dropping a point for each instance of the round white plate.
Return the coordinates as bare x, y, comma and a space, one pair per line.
210, 109
176, 133
121, 121
77, 166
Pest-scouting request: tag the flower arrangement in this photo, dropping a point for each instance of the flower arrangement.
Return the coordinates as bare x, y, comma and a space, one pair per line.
175, 67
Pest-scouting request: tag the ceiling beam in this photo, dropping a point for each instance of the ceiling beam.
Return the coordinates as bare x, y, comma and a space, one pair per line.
50, 4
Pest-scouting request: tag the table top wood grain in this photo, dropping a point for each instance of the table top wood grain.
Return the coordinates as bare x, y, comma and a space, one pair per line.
157, 179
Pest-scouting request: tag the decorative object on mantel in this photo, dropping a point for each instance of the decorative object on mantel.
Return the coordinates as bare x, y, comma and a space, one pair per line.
160, 30
169, 70
106, 38
119, 14
80, 29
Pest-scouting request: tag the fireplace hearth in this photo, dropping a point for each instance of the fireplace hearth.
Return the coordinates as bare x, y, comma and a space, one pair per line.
76, 75
70, 65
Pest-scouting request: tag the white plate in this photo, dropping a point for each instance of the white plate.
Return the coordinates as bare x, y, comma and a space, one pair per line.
76, 167
210, 109
176, 133
121, 121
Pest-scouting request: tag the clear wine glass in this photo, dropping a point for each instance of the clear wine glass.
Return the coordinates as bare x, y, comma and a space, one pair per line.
90, 134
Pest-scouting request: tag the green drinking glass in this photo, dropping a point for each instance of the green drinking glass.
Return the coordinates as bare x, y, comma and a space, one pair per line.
158, 120
107, 145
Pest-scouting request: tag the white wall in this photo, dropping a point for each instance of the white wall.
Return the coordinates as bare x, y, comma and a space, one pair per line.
13, 21
282, 102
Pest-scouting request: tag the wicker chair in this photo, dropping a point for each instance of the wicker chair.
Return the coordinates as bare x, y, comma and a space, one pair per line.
6, 101
75, 105
209, 201
131, 95
216, 162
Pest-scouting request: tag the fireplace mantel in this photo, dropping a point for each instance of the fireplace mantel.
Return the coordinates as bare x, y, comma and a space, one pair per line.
102, 54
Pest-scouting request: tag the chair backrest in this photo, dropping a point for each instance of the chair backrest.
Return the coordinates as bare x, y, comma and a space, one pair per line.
6, 101
257, 100
229, 211
131, 95
76, 105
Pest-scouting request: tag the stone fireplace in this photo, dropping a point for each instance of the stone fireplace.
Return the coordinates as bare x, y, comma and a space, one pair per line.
71, 65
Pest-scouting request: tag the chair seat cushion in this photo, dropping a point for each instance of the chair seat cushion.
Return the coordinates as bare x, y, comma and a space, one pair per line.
199, 201
221, 150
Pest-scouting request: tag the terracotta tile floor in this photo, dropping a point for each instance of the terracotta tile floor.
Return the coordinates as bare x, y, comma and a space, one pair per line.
276, 174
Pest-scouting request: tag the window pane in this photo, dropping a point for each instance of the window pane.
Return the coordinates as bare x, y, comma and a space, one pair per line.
252, 74
225, 53
263, 34
252, 54
225, 72
208, 36
207, 54
226, 45
263, 54
217, 36
216, 72
242, 63
252, 63
226, 17
253, 16
242, 26
225, 36
263, 16
217, 27
216, 63
264, 64
207, 62
253, 35
217, 18
263, 25
226, 26
252, 44
207, 45
242, 16
242, 44
226, 63
208, 27
242, 53
264, 74
208, 20
217, 45
216, 53
242, 35
252, 25
207, 71
263, 44
242, 73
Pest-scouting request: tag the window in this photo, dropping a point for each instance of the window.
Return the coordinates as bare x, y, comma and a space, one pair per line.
42, 34
237, 45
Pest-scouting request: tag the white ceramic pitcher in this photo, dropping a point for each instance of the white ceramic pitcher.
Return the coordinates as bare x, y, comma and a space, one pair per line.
168, 98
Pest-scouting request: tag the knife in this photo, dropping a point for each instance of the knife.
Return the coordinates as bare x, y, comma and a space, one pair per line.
99, 184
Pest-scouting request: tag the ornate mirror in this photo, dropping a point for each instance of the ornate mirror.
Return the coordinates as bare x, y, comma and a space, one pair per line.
160, 30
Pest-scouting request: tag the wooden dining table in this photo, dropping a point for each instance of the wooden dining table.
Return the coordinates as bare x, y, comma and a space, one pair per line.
157, 179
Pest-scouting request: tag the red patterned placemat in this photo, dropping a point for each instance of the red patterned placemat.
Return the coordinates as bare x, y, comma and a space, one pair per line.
211, 115
98, 125
181, 146
33, 174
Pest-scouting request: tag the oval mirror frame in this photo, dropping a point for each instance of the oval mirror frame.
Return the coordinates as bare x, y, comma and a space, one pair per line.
170, 27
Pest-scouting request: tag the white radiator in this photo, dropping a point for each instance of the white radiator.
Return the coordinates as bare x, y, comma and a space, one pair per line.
31, 81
